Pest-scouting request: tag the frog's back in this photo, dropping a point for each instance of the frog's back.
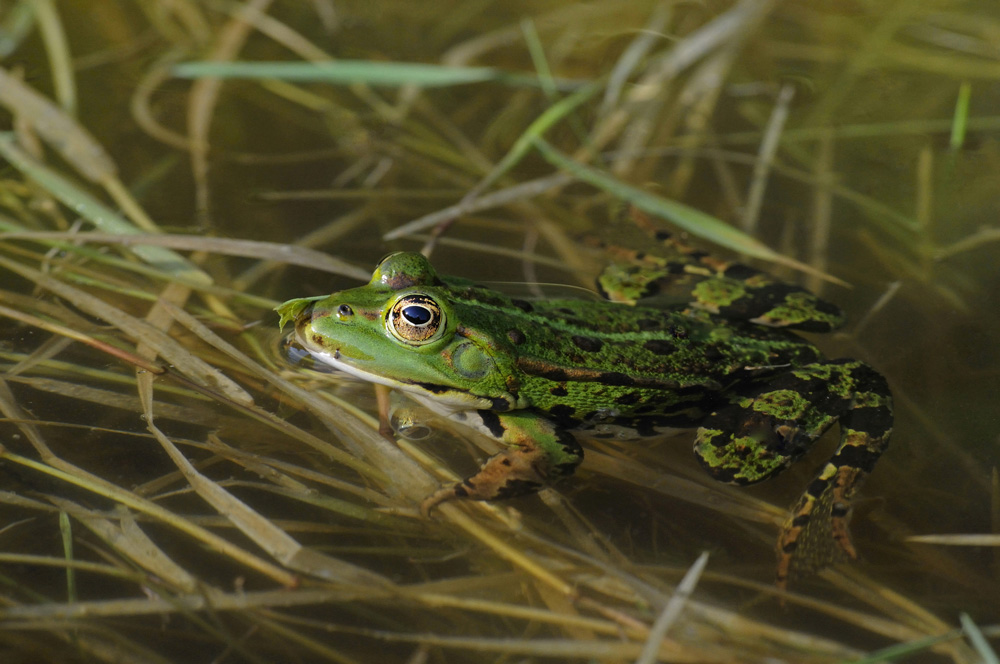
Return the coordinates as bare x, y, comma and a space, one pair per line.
644, 368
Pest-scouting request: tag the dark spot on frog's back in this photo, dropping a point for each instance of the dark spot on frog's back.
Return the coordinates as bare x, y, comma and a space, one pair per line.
675, 267
523, 305
628, 399
588, 344
712, 353
740, 272
559, 391
649, 324
516, 337
564, 415
651, 289
659, 346
616, 378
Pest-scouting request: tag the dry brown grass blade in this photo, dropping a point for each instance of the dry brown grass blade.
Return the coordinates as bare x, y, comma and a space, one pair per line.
197, 602
186, 363
127, 539
54, 125
260, 530
268, 251
64, 472
73, 142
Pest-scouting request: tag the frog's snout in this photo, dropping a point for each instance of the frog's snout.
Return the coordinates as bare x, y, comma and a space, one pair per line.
304, 317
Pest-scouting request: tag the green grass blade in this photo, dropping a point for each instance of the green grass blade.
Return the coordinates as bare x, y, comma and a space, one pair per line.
552, 115
66, 530
978, 640
898, 651
346, 72
960, 121
683, 216
15, 26
537, 51
91, 209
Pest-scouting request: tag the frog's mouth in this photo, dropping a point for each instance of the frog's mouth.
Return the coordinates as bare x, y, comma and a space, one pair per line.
442, 399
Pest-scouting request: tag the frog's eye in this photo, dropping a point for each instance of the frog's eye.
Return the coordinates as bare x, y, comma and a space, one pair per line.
415, 319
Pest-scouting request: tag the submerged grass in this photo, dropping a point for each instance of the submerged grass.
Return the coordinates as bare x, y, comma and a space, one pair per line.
199, 497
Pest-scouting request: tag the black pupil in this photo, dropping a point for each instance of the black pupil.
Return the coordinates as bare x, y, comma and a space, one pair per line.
415, 315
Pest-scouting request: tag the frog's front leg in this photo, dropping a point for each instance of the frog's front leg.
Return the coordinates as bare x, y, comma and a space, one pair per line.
768, 424
537, 452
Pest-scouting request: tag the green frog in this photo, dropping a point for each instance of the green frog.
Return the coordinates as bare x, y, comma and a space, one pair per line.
717, 353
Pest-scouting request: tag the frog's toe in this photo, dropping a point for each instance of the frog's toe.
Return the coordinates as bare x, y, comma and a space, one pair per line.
441, 496
838, 525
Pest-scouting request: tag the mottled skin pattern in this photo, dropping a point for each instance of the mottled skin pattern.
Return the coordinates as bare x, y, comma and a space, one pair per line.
528, 374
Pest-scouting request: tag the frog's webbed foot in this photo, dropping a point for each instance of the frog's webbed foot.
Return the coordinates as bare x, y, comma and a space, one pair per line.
511, 473
805, 538
823, 513
537, 453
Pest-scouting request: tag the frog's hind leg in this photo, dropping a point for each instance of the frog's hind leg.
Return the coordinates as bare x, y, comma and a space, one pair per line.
864, 435
683, 275
768, 424
765, 425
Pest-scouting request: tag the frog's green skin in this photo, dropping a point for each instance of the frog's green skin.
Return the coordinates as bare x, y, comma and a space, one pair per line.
528, 374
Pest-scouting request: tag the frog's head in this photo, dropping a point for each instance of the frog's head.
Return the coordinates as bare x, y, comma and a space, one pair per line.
401, 329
